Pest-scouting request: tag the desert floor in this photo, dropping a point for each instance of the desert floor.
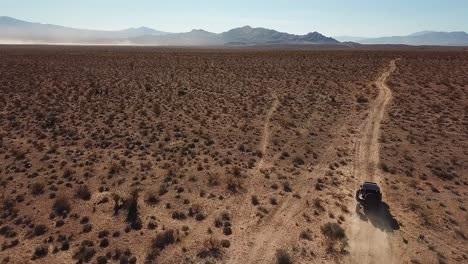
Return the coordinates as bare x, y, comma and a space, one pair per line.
178, 155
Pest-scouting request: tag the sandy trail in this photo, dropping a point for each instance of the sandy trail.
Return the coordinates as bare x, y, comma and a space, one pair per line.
266, 135
369, 244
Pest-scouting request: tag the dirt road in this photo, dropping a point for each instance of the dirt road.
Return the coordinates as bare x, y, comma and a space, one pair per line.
369, 244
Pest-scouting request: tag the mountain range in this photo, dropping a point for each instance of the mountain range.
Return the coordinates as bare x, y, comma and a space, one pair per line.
14, 30
433, 38
18, 31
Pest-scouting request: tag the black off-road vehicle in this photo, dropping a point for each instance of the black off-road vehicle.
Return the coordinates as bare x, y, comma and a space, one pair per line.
368, 196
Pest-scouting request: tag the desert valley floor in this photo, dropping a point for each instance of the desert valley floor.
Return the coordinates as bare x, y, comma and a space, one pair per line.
177, 155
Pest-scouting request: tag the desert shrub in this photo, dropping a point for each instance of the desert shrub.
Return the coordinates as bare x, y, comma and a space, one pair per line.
318, 186
103, 233
218, 222
255, 200
387, 168
335, 238
362, 100
37, 188
84, 220
152, 199
87, 228
7, 231
152, 225
225, 243
179, 215
159, 243
425, 216
318, 204
298, 161
306, 235
101, 260
273, 201
234, 185
61, 206
213, 180
162, 189
333, 231
114, 169
83, 193
40, 252
6, 245
236, 171
104, 242
443, 172
227, 230
67, 173
59, 223
211, 248
39, 230
259, 153
8, 208
85, 252
164, 239
282, 257
197, 212
284, 155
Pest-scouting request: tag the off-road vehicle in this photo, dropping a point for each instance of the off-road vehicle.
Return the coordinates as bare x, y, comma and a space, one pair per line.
368, 196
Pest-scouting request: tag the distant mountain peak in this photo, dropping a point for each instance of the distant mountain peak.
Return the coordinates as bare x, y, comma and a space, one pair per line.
315, 33
259, 35
199, 31
420, 33
142, 28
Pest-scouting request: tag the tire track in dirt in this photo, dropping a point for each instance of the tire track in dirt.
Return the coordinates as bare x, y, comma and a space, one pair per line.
244, 201
276, 231
246, 213
266, 135
255, 178
261, 239
367, 243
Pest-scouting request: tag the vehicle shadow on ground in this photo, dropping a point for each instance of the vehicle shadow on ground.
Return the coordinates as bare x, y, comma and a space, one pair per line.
380, 218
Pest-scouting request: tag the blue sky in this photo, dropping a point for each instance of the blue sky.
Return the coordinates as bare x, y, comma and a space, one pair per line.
331, 17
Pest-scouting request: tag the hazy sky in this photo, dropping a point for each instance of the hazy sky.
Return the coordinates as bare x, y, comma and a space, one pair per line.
330, 17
